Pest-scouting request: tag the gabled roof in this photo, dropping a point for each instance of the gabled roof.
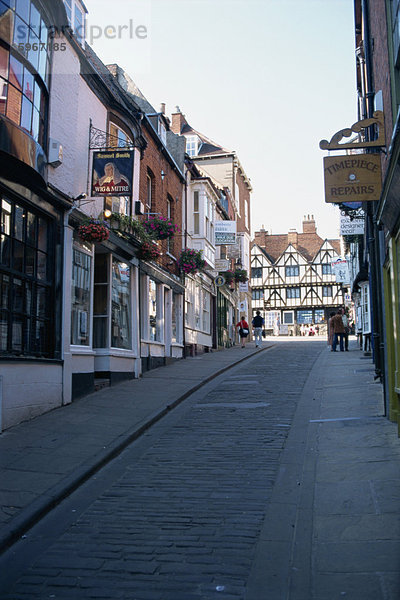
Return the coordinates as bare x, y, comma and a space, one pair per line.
206, 146
308, 245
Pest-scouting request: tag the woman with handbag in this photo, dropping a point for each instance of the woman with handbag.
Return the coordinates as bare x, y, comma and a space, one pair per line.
243, 330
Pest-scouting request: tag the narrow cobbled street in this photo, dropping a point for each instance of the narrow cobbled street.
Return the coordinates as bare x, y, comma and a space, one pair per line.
180, 514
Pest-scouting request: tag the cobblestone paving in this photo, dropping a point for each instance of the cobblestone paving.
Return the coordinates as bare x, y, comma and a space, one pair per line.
183, 520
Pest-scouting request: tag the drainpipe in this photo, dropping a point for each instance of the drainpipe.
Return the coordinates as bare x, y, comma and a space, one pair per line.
372, 229
184, 289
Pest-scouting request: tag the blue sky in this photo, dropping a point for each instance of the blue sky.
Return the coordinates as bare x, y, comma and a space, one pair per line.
266, 78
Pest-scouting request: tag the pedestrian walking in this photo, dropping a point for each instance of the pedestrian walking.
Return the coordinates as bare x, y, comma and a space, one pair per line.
338, 331
330, 330
258, 323
345, 320
243, 330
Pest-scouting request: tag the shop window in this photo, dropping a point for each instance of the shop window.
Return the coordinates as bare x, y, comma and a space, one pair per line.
319, 316
288, 318
27, 282
80, 301
121, 306
271, 318
304, 316
175, 315
153, 328
100, 303
206, 311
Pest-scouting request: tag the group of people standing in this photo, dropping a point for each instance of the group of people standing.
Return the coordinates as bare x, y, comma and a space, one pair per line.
338, 330
243, 326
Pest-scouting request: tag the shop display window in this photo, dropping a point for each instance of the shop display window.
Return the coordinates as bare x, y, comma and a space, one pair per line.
80, 300
121, 306
26, 281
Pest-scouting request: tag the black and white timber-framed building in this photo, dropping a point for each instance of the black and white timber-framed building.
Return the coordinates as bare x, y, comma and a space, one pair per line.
292, 279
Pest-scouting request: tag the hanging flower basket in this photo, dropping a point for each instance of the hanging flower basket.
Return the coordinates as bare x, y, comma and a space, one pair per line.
128, 225
229, 276
191, 261
94, 231
160, 228
148, 251
241, 275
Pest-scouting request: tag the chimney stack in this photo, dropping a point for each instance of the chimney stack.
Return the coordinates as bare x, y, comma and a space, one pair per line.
309, 224
162, 108
178, 121
292, 237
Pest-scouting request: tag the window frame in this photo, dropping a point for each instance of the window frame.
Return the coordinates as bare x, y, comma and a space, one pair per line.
289, 268
29, 270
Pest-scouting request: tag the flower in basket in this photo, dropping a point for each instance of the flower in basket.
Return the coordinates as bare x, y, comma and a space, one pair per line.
190, 261
148, 251
161, 228
241, 275
229, 276
94, 231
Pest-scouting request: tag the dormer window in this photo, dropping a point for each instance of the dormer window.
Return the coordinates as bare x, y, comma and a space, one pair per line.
192, 145
162, 131
76, 17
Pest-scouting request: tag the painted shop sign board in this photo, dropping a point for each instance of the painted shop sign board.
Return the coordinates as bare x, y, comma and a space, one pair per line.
225, 232
352, 178
340, 268
351, 226
222, 264
112, 173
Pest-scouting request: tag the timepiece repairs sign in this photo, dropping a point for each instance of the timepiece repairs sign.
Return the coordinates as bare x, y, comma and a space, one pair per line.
352, 178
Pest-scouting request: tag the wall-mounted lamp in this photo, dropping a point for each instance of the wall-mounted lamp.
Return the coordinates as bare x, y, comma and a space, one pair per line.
82, 196
107, 213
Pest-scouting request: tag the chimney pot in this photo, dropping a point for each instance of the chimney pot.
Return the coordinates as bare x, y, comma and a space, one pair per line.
162, 108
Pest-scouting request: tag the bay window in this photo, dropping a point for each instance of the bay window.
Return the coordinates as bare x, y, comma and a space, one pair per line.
27, 276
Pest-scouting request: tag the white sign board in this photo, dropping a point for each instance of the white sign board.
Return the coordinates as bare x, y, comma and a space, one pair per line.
225, 233
341, 269
243, 286
222, 264
351, 227
243, 306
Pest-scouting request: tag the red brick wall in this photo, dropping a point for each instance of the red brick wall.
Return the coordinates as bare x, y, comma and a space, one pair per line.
171, 186
381, 71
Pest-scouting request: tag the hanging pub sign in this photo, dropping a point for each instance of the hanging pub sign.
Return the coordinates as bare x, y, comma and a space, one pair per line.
352, 178
112, 173
340, 268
